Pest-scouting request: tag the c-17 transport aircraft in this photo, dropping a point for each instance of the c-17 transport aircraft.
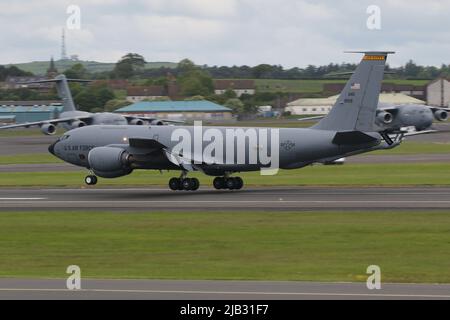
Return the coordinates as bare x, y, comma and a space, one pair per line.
72, 118
349, 129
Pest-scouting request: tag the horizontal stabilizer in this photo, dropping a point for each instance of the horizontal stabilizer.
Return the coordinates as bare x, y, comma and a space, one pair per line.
353, 138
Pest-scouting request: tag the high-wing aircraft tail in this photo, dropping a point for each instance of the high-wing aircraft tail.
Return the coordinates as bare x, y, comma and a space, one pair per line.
356, 106
62, 87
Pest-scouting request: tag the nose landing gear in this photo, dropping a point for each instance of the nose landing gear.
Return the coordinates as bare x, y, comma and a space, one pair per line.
91, 180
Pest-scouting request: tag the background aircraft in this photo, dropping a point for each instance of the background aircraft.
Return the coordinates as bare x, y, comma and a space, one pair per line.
394, 118
71, 118
348, 129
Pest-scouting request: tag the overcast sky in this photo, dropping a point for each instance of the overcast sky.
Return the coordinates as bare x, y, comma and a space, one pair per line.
226, 32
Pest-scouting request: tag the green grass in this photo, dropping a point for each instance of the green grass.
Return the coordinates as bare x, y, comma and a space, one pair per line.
346, 175
40, 67
409, 148
317, 246
35, 158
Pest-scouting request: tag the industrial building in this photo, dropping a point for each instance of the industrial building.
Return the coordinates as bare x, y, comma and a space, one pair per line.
29, 111
320, 106
178, 110
438, 93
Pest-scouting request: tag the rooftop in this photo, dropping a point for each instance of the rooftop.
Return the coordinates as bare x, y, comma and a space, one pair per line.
391, 98
174, 106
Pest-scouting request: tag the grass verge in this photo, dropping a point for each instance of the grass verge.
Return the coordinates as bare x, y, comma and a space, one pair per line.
347, 175
316, 246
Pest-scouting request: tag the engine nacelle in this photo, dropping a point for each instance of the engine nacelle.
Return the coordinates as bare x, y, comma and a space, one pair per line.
77, 124
136, 122
157, 123
441, 115
385, 117
48, 129
109, 162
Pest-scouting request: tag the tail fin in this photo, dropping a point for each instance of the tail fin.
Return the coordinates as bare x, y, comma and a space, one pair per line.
356, 106
62, 87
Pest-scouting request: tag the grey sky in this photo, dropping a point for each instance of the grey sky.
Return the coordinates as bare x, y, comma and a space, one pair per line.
226, 32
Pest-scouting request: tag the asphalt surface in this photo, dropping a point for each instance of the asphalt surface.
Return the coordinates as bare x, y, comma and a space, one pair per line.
215, 290
207, 199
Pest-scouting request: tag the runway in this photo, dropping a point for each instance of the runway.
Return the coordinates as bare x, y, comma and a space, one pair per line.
207, 199
215, 290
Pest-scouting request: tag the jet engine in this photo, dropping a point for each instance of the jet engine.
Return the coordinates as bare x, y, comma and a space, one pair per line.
109, 162
77, 124
441, 115
157, 123
137, 122
48, 129
385, 117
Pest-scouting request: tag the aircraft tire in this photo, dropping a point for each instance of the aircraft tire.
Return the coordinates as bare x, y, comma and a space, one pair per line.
174, 184
195, 184
91, 180
187, 184
230, 183
239, 183
219, 183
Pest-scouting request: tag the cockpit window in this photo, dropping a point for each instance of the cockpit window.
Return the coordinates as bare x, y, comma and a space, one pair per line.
64, 137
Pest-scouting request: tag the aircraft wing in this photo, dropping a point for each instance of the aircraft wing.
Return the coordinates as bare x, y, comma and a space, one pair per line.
312, 118
41, 123
439, 108
186, 161
151, 119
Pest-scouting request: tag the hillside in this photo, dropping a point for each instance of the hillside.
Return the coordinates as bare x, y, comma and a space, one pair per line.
40, 67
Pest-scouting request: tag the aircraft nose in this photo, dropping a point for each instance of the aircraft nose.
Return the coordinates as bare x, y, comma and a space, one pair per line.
51, 148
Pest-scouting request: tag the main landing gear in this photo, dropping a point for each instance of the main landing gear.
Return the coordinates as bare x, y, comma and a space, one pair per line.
228, 183
187, 184
91, 180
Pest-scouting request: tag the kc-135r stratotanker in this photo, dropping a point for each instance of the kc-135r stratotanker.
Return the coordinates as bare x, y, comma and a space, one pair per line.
349, 129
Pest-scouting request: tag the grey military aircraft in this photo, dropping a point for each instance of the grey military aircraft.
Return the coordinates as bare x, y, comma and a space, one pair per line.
349, 129
72, 118
394, 118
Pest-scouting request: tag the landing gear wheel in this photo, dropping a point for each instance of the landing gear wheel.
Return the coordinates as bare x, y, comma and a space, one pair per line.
174, 184
230, 183
90, 180
195, 184
219, 183
187, 184
239, 183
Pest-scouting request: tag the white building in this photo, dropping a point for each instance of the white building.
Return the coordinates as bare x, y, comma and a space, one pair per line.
239, 87
438, 93
320, 106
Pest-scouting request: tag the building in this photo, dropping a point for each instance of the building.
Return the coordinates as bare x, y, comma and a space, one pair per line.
321, 106
13, 82
140, 93
29, 111
178, 110
418, 92
240, 87
438, 93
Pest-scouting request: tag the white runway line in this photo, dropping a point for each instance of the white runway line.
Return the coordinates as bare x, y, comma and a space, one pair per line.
326, 294
13, 199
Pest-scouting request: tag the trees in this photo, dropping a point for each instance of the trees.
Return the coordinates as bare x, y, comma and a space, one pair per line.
129, 65
193, 80
93, 97
77, 71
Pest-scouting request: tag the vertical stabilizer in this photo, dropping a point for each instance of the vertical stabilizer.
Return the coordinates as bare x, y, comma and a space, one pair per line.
355, 109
